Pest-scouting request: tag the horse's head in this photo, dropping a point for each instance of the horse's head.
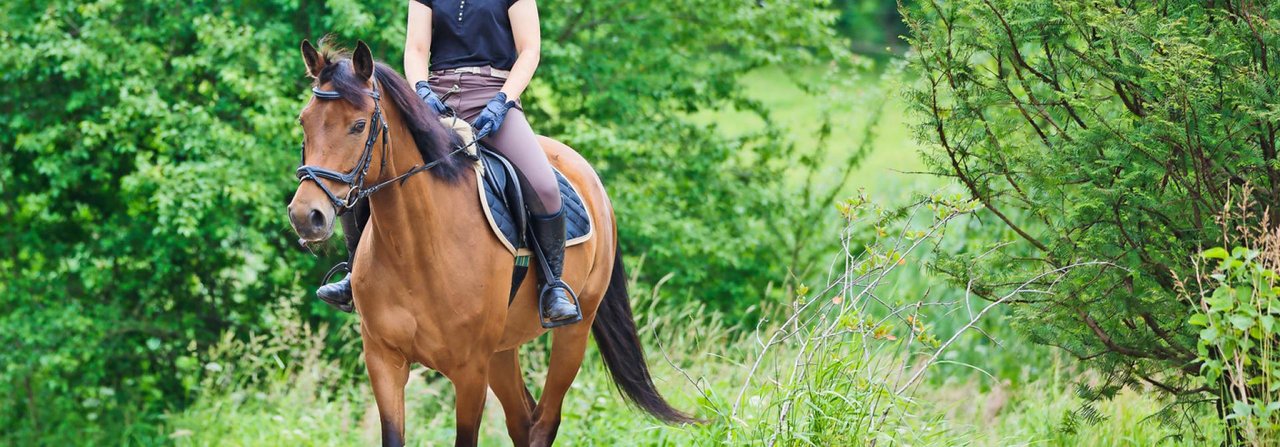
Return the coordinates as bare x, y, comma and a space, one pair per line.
341, 126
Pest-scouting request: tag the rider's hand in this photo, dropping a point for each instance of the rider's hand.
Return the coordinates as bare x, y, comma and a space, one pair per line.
430, 97
494, 112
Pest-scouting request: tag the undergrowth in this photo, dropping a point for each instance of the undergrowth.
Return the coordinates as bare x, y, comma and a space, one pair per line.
861, 360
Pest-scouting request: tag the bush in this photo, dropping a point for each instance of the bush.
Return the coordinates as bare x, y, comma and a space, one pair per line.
1109, 132
1238, 312
145, 167
148, 150
619, 81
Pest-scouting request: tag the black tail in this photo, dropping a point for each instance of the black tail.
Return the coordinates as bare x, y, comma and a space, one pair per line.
615, 333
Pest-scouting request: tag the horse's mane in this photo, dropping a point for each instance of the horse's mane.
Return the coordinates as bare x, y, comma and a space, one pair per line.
434, 141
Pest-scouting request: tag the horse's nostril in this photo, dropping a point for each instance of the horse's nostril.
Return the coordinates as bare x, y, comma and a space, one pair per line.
317, 219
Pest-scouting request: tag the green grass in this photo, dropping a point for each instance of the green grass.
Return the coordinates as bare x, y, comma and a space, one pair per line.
1045, 412
306, 401
889, 172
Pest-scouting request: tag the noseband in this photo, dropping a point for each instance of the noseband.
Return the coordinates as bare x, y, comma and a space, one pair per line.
355, 179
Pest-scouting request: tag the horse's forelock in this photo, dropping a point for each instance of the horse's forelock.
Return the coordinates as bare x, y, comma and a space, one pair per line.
339, 77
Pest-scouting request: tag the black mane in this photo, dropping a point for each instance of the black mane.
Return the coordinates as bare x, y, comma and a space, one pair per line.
434, 140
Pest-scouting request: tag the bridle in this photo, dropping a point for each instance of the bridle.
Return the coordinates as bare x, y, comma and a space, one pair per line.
355, 179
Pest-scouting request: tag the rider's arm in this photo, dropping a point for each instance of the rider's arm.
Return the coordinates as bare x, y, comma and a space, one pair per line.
524, 26
417, 43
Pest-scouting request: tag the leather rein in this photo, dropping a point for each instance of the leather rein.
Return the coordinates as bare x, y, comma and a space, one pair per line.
355, 179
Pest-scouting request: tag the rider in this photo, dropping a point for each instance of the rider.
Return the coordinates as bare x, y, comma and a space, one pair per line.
482, 56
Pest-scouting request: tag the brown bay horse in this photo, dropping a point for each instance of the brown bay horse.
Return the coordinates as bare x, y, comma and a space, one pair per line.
431, 281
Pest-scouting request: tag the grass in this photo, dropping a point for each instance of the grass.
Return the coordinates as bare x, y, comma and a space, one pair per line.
888, 173
308, 401
987, 390
1046, 412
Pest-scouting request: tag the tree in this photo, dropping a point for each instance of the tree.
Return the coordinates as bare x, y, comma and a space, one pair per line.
1102, 131
147, 154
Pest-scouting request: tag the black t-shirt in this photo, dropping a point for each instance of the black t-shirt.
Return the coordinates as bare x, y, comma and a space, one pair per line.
471, 33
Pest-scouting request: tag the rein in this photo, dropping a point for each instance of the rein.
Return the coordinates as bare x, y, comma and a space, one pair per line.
355, 179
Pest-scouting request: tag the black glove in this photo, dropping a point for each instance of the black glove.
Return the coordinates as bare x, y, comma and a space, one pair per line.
430, 97
491, 117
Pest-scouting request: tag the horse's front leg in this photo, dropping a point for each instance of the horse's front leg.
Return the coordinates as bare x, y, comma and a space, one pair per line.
507, 382
388, 372
471, 385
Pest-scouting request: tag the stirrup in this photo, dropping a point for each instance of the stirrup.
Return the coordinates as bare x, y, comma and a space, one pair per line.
573, 296
344, 267
344, 306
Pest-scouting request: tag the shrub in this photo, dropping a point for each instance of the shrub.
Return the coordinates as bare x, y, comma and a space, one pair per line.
1236, 308
145, 169
1099, 131
147, 154
1235, 301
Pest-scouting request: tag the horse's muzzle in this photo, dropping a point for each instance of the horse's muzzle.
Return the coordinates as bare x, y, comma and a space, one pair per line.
312, 223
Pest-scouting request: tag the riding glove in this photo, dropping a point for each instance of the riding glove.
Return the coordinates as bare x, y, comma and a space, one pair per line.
430, 97
494, 112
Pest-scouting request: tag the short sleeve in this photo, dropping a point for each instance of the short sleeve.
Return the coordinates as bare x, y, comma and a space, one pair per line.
426, 3
511, 3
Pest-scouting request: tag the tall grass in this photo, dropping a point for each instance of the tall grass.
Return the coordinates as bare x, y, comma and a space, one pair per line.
271, 389
854, 362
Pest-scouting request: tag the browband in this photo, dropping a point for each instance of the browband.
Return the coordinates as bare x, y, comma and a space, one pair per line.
326, 94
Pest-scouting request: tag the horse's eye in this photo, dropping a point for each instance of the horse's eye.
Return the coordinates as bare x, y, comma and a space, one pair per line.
356, 128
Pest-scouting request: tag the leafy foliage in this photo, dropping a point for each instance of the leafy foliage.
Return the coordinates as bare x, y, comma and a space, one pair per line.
147, 148
142, 198
714, 211
1238, 314
1107, 132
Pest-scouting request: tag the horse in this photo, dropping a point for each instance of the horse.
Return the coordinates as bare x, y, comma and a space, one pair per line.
431, 282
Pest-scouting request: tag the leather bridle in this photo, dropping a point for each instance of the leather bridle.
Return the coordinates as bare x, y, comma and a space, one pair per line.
355, 179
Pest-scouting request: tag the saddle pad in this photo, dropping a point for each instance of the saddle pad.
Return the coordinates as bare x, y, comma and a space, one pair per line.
498, 187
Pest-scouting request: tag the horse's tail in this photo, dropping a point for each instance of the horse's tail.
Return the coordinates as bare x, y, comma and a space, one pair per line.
615, 333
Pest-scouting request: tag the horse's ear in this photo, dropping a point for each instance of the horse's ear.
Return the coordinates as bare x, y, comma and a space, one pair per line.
362, 61
315, 62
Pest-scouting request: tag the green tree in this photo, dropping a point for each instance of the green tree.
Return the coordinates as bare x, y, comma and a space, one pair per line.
147, 151
717, 213
1096, 131
145, 147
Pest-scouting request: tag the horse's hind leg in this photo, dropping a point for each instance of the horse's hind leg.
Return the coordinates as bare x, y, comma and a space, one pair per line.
568, 344
507, 382
470, 386
388, 375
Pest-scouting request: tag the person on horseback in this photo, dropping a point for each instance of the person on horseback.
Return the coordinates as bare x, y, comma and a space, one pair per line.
479, 56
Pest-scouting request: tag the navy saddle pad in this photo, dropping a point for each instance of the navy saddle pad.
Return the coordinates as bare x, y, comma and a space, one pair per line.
503, 201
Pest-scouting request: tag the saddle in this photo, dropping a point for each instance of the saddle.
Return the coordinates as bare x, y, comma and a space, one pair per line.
503, 202
502, 199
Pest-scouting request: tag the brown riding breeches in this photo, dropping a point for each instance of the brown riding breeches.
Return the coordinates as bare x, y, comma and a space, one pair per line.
514, 140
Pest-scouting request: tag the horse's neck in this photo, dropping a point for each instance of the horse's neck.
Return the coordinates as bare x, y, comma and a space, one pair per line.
415, 213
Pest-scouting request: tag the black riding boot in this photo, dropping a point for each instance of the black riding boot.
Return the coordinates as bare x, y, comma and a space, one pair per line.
338, 294
554, 305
